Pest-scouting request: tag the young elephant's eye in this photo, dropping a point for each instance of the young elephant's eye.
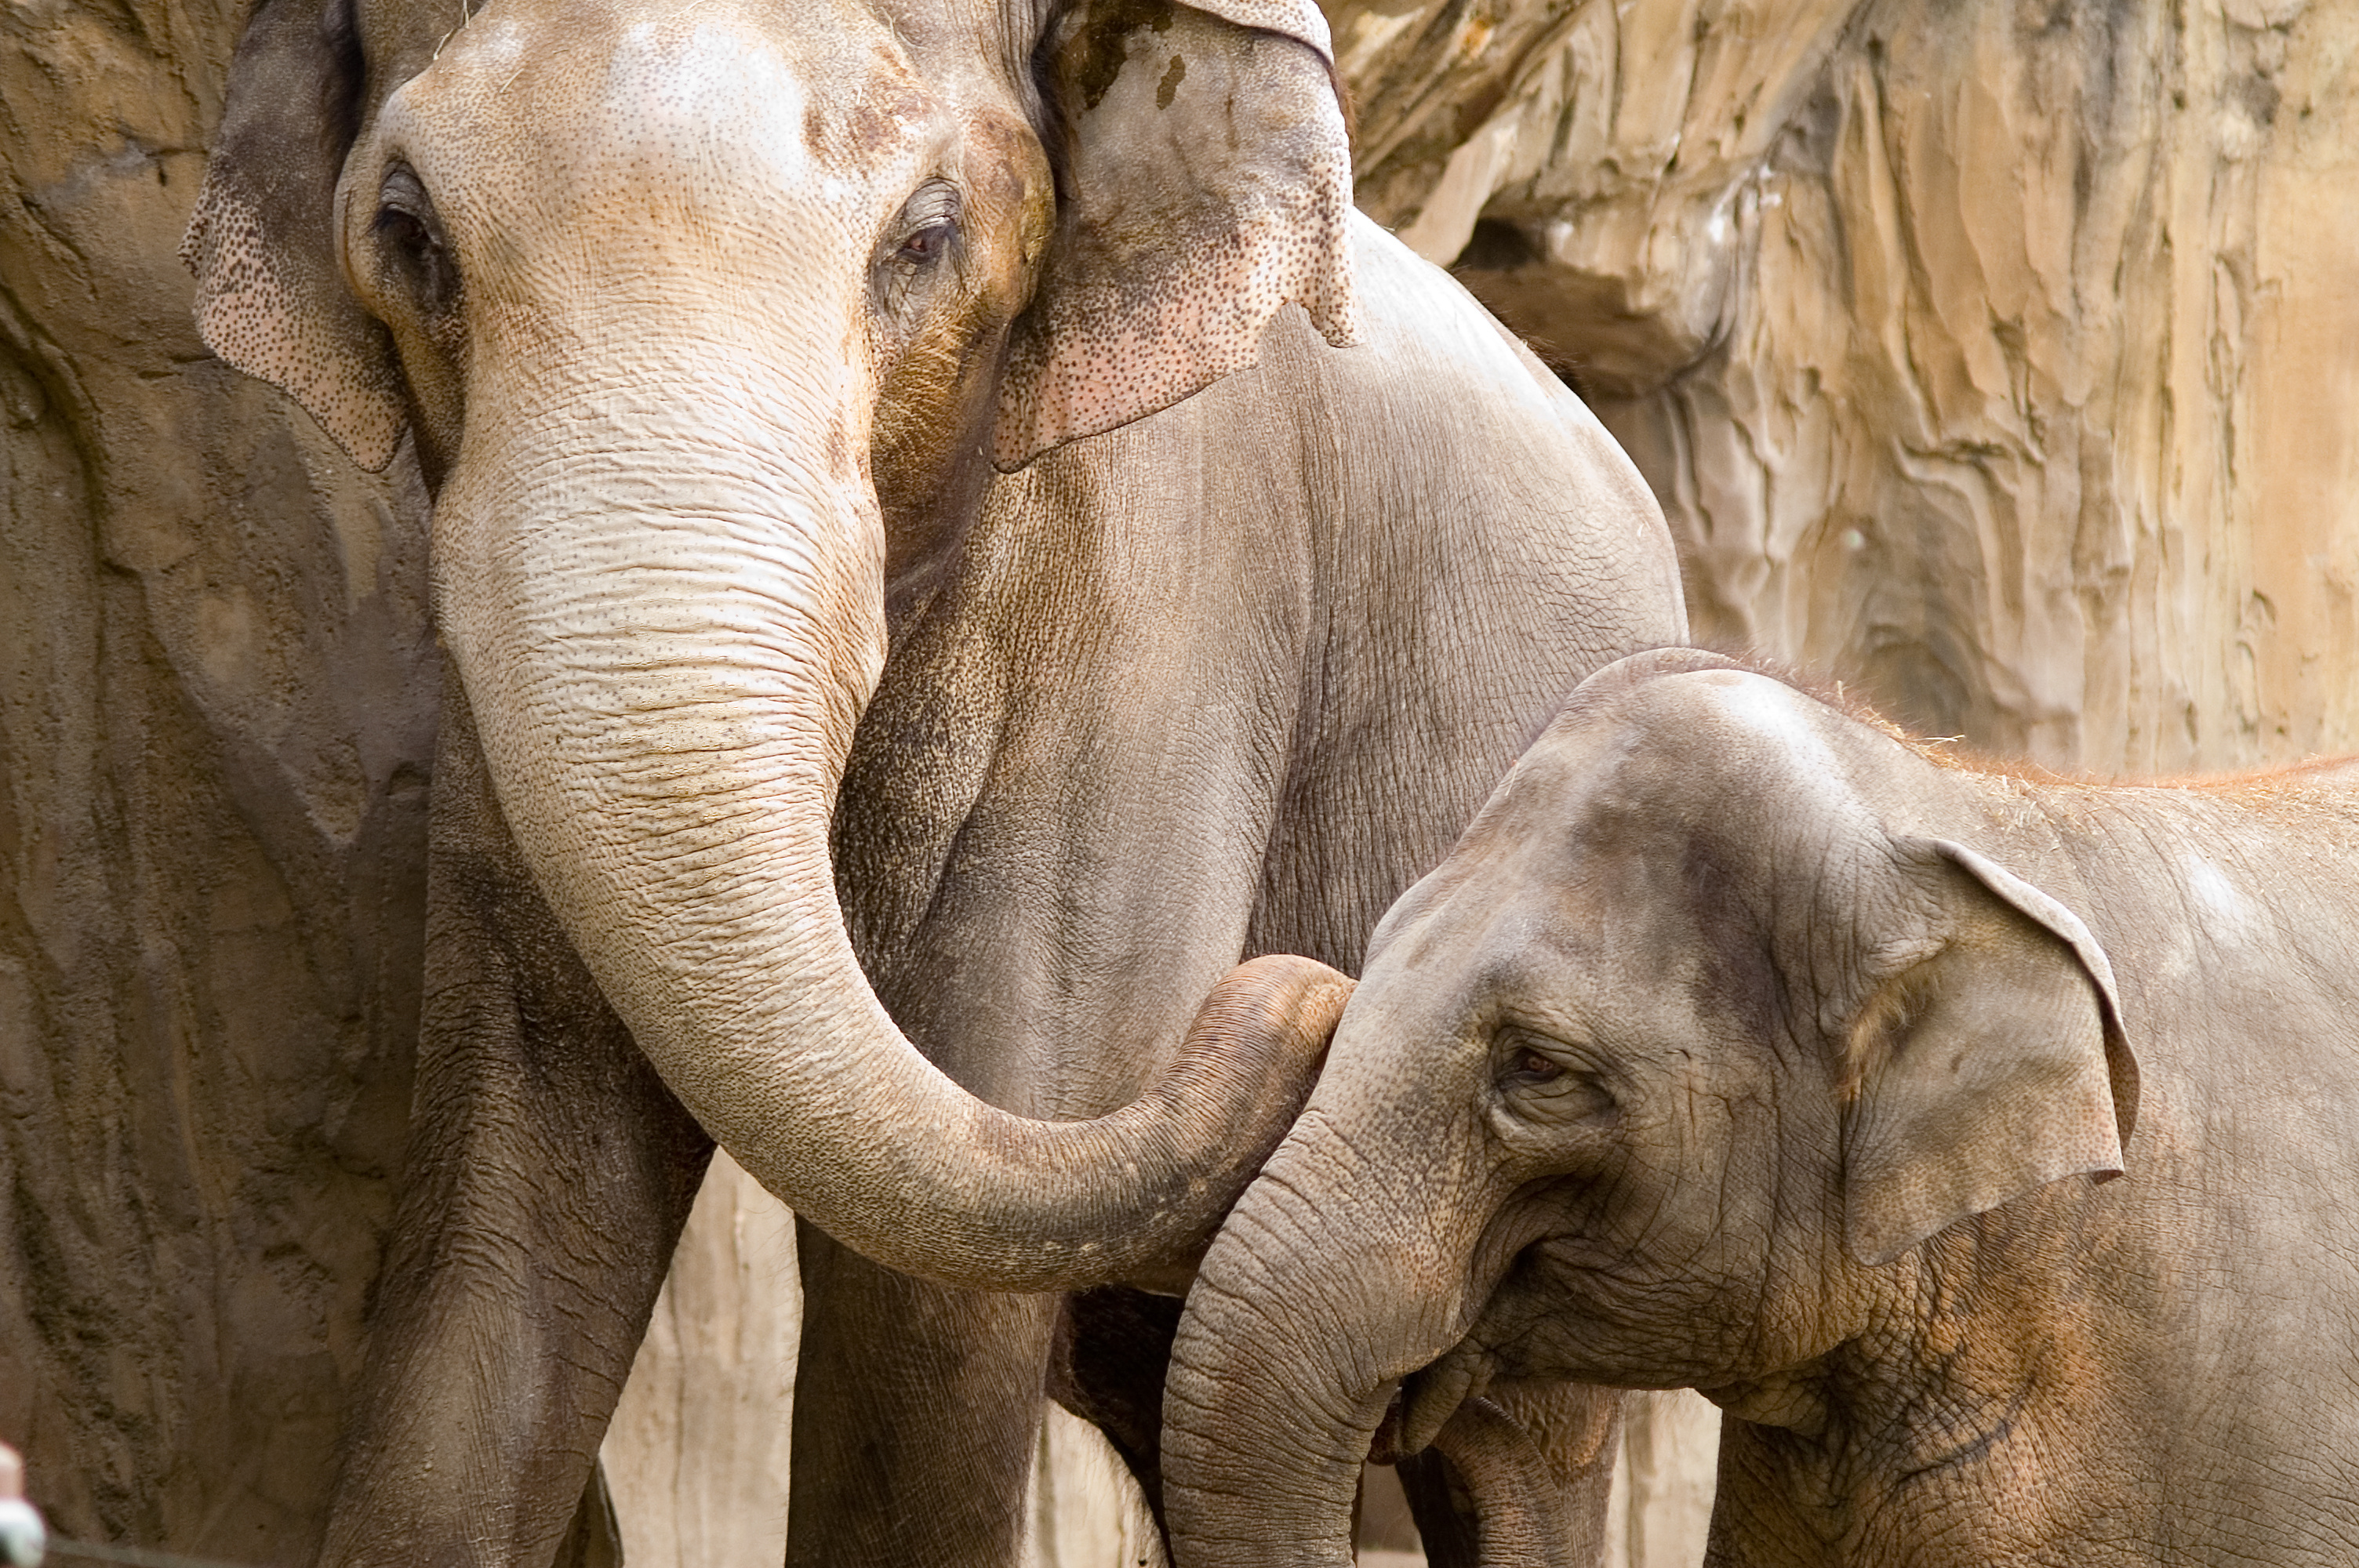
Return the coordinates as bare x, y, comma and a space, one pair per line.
1539, 1085
1533, 1067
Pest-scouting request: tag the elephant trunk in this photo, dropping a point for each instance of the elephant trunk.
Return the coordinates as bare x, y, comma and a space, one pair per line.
665, 596
1519, 1498
1317, 1295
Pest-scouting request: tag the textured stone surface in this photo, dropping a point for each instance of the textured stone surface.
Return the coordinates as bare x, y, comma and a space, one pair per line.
1660, 1511
2002, 358
216, 698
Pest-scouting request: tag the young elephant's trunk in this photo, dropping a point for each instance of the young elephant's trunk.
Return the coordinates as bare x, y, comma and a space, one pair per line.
664, 593
1265, 1422
1519, 1498
1317, 1295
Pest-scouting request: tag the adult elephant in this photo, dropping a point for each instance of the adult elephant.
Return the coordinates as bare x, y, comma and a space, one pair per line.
748, 348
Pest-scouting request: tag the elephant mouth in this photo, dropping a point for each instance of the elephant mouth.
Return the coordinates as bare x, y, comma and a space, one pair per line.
1427, 1400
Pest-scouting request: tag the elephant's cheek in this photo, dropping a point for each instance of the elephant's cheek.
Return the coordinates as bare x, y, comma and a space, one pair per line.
932, 417
938, 389
910, 440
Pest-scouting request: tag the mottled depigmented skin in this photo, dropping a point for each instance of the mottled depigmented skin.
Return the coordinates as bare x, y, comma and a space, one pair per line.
936, 569
1981, 1143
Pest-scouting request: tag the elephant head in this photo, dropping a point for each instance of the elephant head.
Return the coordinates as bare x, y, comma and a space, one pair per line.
709, 321
1705, 1026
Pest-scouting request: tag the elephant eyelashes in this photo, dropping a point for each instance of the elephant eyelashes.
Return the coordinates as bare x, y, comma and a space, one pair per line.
928, 227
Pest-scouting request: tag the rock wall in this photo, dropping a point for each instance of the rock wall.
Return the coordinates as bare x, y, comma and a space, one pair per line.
216, 705
1661, 1513
2002, 358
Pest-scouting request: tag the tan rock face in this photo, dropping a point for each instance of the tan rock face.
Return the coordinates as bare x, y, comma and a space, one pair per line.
2002, 358
216, 717
697, 1454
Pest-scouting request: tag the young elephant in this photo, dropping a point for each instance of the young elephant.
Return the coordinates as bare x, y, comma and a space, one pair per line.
1745, 1045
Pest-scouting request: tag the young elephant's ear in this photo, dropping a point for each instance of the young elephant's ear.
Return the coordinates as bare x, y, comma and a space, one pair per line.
1991, 1068
1204, 180
271, 298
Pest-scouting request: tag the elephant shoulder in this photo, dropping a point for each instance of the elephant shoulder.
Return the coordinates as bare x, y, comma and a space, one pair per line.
1437, 375
1417, 315
1451, 436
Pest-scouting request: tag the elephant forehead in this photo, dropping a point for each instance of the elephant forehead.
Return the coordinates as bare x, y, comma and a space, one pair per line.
700, 90
1574, 888
1478, 943
707, 107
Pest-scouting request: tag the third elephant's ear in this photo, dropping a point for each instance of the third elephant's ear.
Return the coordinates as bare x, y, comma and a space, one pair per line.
1992, 1064
271, 298
1204, 182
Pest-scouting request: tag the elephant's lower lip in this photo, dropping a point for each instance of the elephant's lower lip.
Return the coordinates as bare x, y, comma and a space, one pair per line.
1427, 1400
1384, 1444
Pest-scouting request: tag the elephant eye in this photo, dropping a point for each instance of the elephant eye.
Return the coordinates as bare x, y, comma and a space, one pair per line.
1526, 1062
928, 225
927, 244
404, 230
403, 208
1540, 1085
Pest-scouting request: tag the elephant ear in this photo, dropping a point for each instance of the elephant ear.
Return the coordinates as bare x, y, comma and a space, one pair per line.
271, 298
1991, 1068
1204, 182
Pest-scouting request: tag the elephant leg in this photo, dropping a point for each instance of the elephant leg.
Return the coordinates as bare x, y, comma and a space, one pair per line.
1578, 1429
1444, 1511
917, 1411
549, 1174
1112, 1348
594, 1538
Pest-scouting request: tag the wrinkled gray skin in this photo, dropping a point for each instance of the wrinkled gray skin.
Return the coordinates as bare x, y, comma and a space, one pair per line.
723, 334
1743, 1045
